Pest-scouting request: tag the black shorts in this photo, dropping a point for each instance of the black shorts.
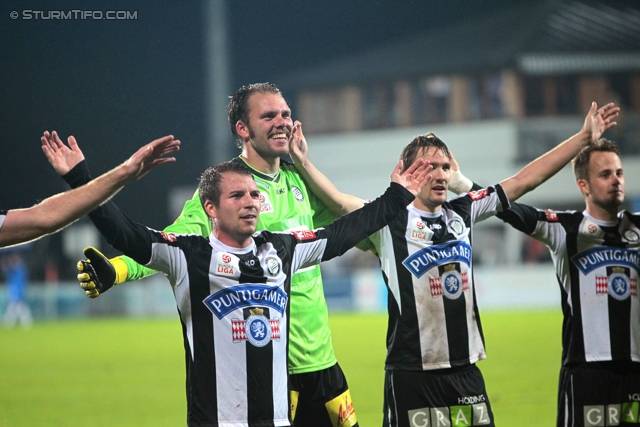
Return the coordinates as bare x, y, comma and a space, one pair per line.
322, 399
599, 394
442, 397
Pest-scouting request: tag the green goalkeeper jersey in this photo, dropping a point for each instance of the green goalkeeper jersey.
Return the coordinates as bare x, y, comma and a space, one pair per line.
285, 205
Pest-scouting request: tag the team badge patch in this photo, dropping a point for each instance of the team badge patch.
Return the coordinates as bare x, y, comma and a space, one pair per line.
619, 284
169, 237
273, 265
456, 226
451, 284
304, 234
297, 193
480, 194
552, 216
257, 329
226, 265
631, 236
419, 231
265, 203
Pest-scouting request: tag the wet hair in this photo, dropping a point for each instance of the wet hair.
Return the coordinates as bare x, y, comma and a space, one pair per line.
238, 108
209, 188
420, 144
580, 162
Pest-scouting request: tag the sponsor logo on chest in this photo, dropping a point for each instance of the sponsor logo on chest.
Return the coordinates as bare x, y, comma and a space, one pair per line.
598, 257
430, 257
265, 203
419, 231
227, 265
241, 296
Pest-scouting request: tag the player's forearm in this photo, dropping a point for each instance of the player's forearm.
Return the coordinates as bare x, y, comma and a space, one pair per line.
351, 229
60, 210
337, 202
545, 166
122, 233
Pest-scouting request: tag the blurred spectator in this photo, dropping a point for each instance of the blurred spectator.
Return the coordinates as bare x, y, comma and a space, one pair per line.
16, 274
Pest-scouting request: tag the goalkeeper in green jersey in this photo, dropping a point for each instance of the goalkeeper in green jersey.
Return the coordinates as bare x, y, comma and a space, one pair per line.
260, 120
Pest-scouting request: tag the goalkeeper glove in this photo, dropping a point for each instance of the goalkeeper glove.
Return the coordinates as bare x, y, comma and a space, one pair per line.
96, 275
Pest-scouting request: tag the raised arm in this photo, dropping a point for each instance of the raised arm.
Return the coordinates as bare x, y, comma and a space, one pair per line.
337, 202
56, 212
544, 167
348, 230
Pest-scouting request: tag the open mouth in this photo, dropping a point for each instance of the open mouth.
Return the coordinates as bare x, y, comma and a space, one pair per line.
439, 188
281, 136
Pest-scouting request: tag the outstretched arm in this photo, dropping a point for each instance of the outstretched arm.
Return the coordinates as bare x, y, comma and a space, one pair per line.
544, 167
337, 202
56, 212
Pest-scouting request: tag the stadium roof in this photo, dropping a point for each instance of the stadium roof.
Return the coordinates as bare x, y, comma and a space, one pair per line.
541, 38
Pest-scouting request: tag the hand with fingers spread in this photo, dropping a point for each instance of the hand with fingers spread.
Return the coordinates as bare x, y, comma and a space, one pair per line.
151, 155
63, 158
414, 177
598, 120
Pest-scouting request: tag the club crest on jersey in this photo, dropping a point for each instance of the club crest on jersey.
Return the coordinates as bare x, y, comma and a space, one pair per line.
427, 258
265, 203
456, 226
169, 237
451, 284
257, 329
273, 265
631, 236
617, 284
237, 297
419, 231
297, 193
592, 259
226, 265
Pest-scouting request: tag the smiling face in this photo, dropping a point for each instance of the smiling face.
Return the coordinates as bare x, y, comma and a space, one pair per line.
434, 194
269, 125
235, 217
604, 188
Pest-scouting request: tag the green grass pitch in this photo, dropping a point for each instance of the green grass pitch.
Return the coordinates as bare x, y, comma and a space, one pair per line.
128, 372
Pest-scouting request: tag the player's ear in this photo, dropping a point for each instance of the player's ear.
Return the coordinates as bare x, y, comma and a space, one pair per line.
583, 185
210, 209
242, 129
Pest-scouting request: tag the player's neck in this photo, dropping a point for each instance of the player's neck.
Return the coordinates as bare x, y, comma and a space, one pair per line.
426, 207
602, 213
230, 240
267, 166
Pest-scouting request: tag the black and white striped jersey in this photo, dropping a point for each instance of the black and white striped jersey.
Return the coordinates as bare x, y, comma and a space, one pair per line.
426, 260
234, 304
597, 265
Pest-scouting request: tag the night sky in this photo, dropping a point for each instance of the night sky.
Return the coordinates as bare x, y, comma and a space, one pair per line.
117, 84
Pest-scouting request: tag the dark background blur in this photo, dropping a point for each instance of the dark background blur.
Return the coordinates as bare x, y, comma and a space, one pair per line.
117, 84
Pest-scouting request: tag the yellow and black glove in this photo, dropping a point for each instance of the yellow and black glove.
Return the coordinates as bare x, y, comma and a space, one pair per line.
96, 274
